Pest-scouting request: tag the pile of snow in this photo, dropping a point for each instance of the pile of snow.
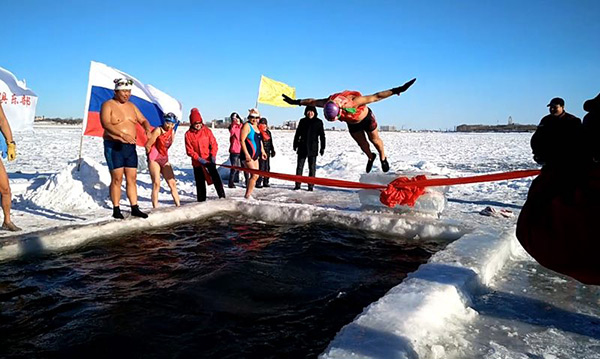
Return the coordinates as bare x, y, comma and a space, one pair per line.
72, 190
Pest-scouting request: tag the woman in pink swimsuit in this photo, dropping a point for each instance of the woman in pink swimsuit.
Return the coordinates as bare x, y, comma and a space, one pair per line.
157, 147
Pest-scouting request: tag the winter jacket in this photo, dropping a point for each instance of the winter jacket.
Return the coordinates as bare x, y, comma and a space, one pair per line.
235, 146
268, 144
201, 143
306, 139
558, 140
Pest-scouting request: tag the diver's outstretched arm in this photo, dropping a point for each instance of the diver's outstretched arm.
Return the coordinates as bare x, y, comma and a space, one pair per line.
364, 100
305, 102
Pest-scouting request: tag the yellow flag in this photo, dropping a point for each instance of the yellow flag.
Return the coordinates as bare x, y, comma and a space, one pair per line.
269, 92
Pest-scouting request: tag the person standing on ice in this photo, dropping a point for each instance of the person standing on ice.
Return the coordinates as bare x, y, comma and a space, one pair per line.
351, 107
235, 147
557, 224
265, 165
11, 153
119, 119
557, 141
157, 147
201, 146
306, 143
252, 147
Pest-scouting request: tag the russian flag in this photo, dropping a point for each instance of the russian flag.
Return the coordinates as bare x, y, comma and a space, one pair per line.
151, 102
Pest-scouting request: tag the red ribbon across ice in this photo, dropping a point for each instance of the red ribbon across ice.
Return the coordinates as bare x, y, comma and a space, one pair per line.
402, 190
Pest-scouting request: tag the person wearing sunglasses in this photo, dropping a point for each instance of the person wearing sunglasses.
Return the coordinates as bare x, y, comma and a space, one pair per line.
119, 119
235, 147
351, 107
252, 147
201, 146
11, 153
157, 147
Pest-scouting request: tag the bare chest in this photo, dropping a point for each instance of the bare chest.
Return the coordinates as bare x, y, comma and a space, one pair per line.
121, 114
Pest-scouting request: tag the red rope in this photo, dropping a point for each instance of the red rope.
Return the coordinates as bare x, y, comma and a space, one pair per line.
400, 191
311, 180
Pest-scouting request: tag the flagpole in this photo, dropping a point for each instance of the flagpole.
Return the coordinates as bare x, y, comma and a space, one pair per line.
85, 117
258, 95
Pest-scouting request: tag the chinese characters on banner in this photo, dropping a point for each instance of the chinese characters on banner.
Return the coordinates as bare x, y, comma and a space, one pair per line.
14, 99
17, 100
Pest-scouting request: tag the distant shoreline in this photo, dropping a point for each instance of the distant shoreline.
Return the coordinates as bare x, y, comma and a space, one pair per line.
459, 129
496, 128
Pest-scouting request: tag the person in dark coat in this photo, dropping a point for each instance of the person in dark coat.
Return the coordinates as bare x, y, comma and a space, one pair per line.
591, 129
557, 224
306, 143
557, 142
265, 165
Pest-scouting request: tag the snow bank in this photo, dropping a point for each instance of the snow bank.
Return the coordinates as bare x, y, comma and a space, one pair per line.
411, 227
422, 316
71, 190
68, 237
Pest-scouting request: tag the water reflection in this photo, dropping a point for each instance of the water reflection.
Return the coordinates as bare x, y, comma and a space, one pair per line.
223, 287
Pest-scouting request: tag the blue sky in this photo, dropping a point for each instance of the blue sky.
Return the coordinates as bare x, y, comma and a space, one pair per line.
475, 61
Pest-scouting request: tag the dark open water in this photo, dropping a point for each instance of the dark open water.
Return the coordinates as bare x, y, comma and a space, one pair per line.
223, 288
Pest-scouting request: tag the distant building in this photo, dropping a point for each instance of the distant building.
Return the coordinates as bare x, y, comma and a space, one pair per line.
290, 125
387, 128
222, 123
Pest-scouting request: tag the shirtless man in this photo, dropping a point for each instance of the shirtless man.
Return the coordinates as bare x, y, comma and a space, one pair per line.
119, 119
11, 153
351, 107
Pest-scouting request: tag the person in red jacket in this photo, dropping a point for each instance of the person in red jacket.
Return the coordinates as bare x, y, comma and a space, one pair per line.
201, 146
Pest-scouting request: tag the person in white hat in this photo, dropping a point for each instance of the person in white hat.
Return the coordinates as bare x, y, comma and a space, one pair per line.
252, 147
119, 119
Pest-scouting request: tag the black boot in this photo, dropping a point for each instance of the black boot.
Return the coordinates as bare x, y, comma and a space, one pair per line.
117, 213
385, 166
370, 162
135, 211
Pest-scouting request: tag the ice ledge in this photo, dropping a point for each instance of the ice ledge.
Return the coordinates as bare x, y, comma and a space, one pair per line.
415, 318
61, 238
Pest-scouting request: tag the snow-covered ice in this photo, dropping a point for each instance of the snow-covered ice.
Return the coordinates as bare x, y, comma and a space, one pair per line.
481, 297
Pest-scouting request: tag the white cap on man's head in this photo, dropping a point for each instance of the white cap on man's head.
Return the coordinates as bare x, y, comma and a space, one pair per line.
123, 84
